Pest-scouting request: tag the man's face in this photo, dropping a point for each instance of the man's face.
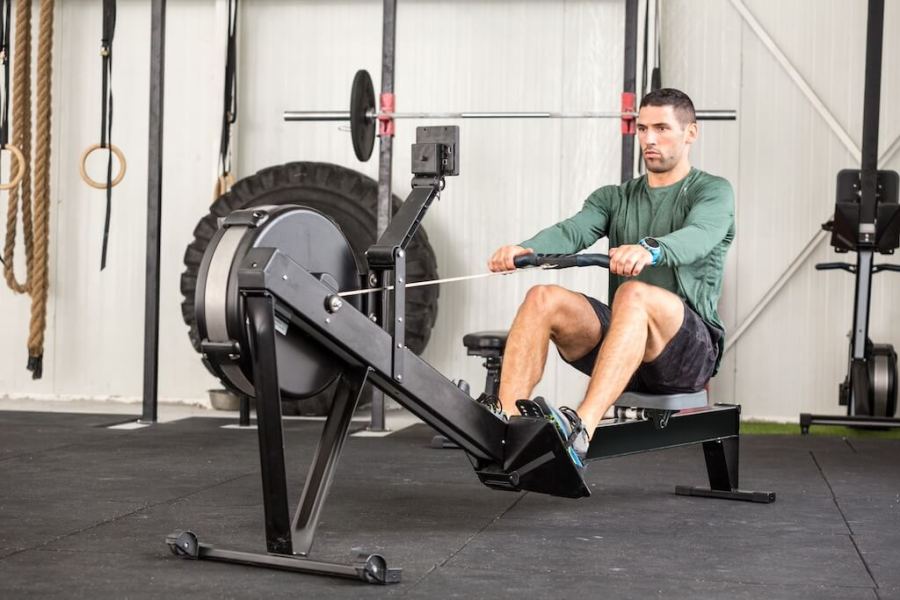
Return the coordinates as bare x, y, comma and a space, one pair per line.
664, 140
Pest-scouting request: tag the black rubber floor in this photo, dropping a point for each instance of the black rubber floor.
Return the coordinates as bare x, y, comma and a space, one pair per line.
84, 511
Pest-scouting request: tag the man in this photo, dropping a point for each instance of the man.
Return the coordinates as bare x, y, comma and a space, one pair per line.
669, 232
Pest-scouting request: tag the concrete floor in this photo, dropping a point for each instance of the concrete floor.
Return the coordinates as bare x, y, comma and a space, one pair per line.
396, 418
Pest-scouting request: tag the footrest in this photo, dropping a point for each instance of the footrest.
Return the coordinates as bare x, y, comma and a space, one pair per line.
673, 402
536, 460
530, 408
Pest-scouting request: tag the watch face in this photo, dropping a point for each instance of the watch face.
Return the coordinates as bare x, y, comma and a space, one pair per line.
651, 242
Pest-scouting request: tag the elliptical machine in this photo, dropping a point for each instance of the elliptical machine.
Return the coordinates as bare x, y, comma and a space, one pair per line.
866, 220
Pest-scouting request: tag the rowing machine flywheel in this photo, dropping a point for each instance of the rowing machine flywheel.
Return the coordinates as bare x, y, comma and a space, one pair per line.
309, 238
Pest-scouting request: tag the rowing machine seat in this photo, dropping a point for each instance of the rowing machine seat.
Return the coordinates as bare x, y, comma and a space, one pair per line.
673, 402
485, 343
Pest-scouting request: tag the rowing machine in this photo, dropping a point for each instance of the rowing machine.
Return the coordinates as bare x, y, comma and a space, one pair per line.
273, 322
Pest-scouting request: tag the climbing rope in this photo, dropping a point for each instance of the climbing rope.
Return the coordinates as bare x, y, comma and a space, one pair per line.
21, 129
36, 210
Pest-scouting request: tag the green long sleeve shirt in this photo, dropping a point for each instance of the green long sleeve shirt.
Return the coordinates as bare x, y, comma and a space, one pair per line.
693, 220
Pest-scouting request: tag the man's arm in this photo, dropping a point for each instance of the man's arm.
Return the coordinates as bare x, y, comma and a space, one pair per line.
578, 231
706, 225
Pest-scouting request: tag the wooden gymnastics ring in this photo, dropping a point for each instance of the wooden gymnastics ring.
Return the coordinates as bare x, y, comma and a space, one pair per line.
223, 184
16, 154
119, 156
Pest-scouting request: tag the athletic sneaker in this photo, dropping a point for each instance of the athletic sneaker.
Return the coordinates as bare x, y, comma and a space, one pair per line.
570, 427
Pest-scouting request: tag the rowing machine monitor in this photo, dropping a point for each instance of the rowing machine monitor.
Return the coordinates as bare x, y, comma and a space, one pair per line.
436, 152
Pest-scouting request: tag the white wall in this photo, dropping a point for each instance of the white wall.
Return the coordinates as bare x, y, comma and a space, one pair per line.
516, 177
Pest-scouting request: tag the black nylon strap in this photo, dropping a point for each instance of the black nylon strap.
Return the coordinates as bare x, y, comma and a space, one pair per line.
646, 45
5, 56
106, 112
6, 60
654, 81
656, 76
229, 109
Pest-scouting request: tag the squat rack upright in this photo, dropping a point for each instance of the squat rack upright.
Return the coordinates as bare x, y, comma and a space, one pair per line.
154, 210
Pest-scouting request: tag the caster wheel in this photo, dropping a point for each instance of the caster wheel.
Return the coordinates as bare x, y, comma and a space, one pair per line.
184, 544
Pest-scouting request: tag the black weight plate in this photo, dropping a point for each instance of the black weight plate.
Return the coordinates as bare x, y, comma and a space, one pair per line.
362, 126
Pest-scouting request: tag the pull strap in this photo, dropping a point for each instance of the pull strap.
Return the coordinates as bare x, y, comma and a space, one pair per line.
229, 101
5, 52
106, 111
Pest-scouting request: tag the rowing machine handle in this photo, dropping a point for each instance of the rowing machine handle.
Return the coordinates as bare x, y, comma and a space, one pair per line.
886, 267
561, 261
836, 265
852, 268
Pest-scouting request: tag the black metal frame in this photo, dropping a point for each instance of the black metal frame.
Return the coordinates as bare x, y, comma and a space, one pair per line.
716, 427
866, 238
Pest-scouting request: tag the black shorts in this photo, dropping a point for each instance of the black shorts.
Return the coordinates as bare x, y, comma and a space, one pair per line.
685, 365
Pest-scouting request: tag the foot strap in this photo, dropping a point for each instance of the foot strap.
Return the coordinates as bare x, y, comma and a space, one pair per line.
538, 408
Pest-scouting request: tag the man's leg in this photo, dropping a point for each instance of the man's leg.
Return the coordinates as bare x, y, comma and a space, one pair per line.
549, 313
645, 318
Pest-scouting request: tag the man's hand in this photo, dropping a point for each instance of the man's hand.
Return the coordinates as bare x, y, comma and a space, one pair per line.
502, 260
629, 260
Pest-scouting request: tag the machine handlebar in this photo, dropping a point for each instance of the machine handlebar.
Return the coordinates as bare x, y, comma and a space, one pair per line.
561, 261
886, 267
852, 268
836, 265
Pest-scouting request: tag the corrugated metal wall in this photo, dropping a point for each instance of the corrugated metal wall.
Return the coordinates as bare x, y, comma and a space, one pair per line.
783, 157
515, 177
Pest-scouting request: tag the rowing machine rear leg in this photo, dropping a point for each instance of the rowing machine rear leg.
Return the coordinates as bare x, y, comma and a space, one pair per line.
722, 468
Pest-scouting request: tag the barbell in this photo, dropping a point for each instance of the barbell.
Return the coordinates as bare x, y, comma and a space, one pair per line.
363, 115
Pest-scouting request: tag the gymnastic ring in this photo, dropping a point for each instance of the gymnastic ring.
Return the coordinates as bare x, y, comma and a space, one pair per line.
223, 184
17, 154
119, 156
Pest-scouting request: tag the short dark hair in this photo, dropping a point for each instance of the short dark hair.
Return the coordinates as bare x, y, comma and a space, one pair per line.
678, 100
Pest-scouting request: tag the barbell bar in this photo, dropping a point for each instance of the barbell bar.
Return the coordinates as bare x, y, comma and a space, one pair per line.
344, 115
363, 115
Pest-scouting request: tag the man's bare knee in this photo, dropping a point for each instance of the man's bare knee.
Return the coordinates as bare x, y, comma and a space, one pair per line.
547, 300
657, 303
632, 295
539, 298
573, 325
